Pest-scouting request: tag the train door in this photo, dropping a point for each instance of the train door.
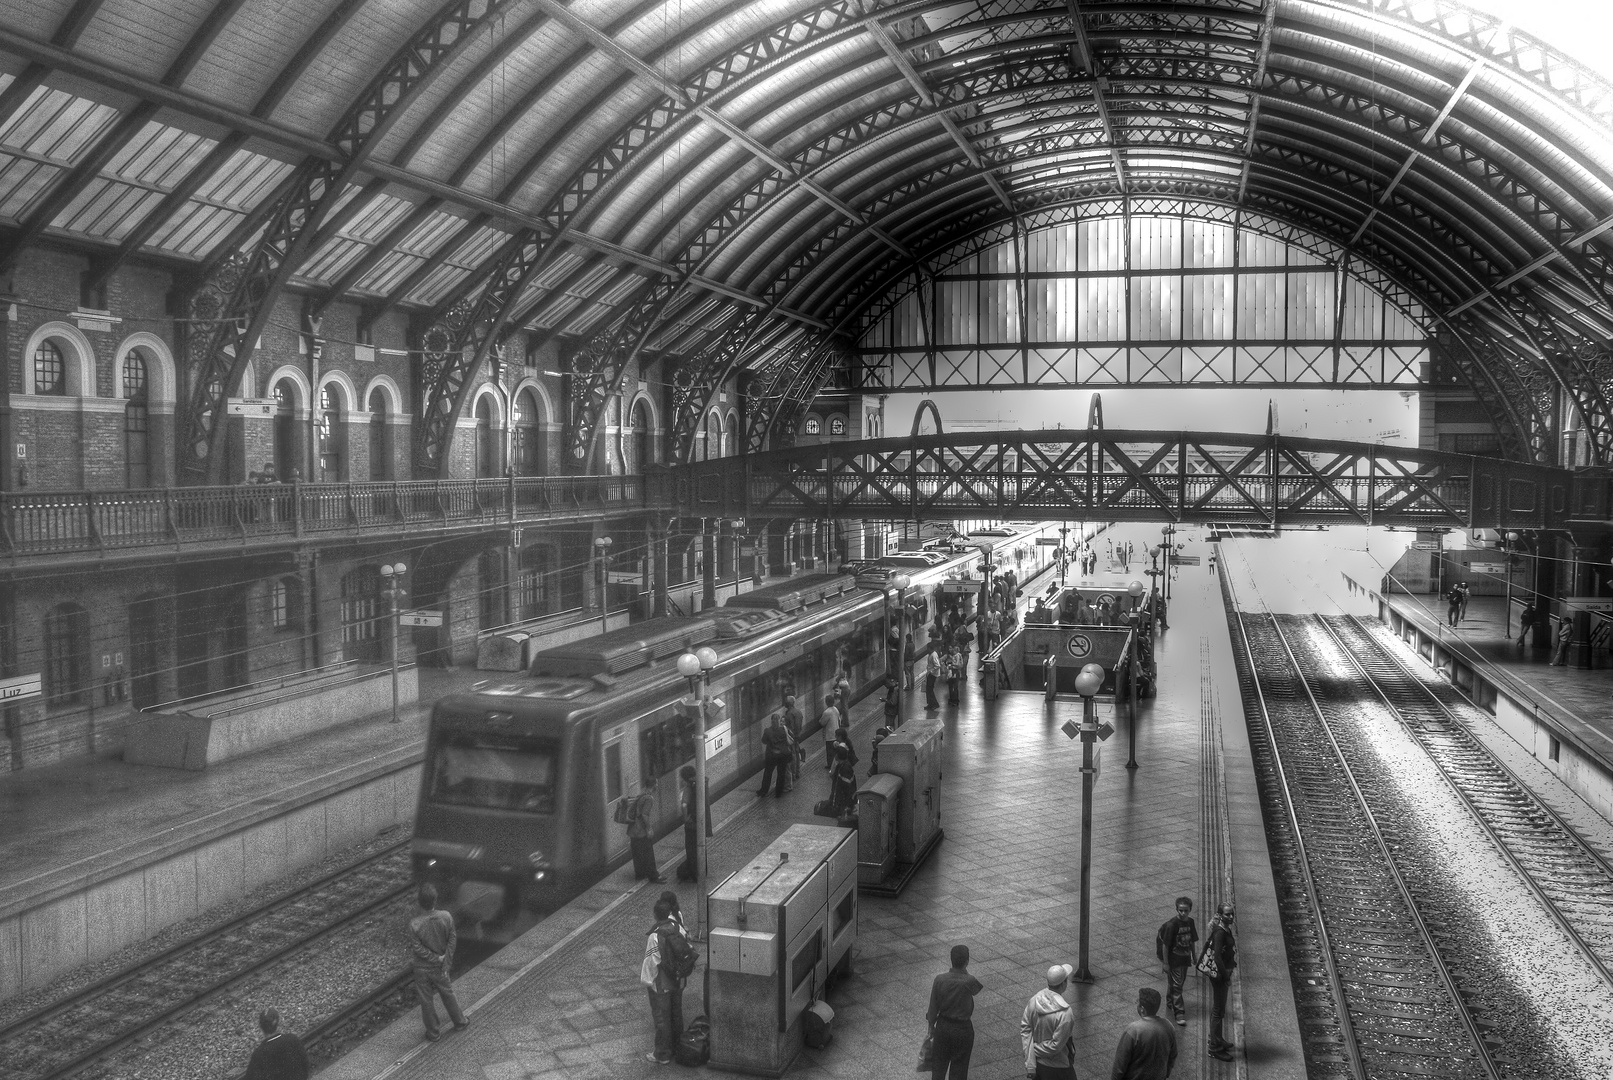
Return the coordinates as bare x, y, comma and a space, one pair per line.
619, 759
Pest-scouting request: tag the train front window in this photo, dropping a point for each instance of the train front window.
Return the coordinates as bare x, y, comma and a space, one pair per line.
506, 774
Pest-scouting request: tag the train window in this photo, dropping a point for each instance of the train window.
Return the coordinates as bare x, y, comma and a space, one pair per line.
613, 772
504, 773
664, 746
805, 960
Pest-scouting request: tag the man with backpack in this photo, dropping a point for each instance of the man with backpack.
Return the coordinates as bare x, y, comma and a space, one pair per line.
669, 960
1174, 945
639, 810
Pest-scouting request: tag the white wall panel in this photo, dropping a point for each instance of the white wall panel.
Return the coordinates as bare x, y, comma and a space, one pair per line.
1207, 307
1310, 306
1207, 243
1261, 306
1103, 244
1103, 309
1156, 243
1156, 308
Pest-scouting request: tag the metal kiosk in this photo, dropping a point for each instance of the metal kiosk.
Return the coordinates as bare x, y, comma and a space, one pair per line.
778, 928
912, 755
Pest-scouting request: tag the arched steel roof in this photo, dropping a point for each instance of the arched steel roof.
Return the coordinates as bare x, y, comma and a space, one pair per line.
737, 181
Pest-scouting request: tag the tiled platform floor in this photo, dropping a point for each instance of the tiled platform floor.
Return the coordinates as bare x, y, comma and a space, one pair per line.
564, 1001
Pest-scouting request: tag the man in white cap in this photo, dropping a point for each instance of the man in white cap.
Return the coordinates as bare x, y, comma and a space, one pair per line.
1045, 1029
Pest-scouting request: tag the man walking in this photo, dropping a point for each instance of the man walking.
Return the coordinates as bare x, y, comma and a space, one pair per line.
1526, 619
1453, 601
1147, 1049
1174, 945
640, 838
952, 1004
431, 953
1044, 1029
776, 755
690, 870
830, 721
280, 1056
1223, 949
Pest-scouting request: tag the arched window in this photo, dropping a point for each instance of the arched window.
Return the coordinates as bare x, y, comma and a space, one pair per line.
837, 425
486, 452
67, 655
714, 445
643, 437
528, 446
380, 437
50, 369
814, 426
730, 435
330, 434
361, 615
285, 428
136, 422
285, 603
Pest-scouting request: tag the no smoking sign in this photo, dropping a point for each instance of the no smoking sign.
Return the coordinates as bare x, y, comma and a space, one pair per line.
1079, 645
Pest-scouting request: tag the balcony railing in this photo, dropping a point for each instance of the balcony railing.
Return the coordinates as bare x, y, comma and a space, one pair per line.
54, 523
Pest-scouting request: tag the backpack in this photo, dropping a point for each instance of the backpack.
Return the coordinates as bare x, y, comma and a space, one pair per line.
677, 955
626, 811
693, 1047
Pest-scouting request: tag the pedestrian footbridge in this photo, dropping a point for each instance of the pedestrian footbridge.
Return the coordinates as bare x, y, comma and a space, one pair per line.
1268, 481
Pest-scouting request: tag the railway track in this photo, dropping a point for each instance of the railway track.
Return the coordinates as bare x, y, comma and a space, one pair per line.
1570, 878
1376, 995
68, 1036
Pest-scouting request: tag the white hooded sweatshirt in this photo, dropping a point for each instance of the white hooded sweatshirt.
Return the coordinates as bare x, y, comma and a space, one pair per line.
1044, 1030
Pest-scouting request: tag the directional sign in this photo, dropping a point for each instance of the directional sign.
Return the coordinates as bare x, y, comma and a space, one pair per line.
419, 618
1487, 567
20, 687
262, 407
1078, 645
624, 577
719, 738
1184, 560
1425, 545
1048, 541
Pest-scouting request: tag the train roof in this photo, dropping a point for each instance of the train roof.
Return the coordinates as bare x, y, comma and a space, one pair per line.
625, 649
795, 594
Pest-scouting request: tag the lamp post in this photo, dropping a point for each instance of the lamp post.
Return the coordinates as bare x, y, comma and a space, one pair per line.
1064, 552
1506, 558
1087, 684
1131, 689
392, 590
602, 547
696, 667
1154, 572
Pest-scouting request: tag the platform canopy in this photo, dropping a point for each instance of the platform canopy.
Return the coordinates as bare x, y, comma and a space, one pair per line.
748, 185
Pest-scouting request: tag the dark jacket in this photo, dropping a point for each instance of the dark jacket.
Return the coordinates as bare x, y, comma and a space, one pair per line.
1176, 936
1147, 1050
279, 1057
431, 940
776, 743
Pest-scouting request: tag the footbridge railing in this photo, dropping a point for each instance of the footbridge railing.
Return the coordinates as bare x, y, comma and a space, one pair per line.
1270, 481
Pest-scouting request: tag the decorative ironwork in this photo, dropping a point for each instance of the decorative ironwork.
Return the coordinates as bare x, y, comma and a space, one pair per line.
1271, 481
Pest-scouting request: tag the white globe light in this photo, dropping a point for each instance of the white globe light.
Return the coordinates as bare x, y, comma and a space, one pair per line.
1087, 683
707, 656
1135, 588
688, 665
1094, 669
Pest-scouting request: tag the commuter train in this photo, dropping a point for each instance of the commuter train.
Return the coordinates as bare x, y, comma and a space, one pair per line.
520, 778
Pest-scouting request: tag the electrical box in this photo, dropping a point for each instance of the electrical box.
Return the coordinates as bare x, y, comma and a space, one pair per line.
779, 927
913, 753
877, 803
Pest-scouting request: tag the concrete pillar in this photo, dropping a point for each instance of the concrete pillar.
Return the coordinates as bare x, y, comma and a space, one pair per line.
708, 566
658, 569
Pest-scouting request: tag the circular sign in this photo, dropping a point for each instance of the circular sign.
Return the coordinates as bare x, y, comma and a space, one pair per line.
1079, 645
1108, 596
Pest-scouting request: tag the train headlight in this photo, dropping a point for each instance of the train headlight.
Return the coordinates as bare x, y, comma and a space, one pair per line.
540, 865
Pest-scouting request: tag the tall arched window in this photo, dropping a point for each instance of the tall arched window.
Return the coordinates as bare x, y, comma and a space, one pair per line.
67, 655
361, 615
380, 437
285, 428
714, 446
136, 422
486, 452
528, 436
730, 435
331, 431
643, 437
50, 369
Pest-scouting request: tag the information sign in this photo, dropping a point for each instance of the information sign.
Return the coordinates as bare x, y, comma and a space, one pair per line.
20, 688
263, 408
1048, 541
1425, 545
1487, 567
419, 618
719, 738
1184, 560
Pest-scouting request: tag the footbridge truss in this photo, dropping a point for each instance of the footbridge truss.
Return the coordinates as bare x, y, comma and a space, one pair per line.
1271, 481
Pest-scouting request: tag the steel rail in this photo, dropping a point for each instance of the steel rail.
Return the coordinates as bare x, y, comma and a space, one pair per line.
1583, 850
100, 1049
1325, 950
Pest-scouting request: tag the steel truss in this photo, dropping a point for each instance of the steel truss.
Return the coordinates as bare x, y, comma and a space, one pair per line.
1271, 481
233, 307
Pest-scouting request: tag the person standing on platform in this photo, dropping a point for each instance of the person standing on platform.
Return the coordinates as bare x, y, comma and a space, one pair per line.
280, 1056
1223, 949
932, 672
795, 724
1565, 638
665, 989
994, 629
1453, 600
1045, 1029
1174, 944
843, 695
1526, 619
689, 871
776, 756
1212, 564
829, 721
952, 1005
639, 838
955, 669
431, 954
909, 658
843, 780
1147, 1049
893, 701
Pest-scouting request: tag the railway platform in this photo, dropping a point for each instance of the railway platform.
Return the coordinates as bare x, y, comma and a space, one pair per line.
564, 1002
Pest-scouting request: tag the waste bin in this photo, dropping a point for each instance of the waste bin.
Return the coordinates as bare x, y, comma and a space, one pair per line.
876, 827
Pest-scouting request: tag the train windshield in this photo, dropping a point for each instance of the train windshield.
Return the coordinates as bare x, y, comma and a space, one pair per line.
495, 771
